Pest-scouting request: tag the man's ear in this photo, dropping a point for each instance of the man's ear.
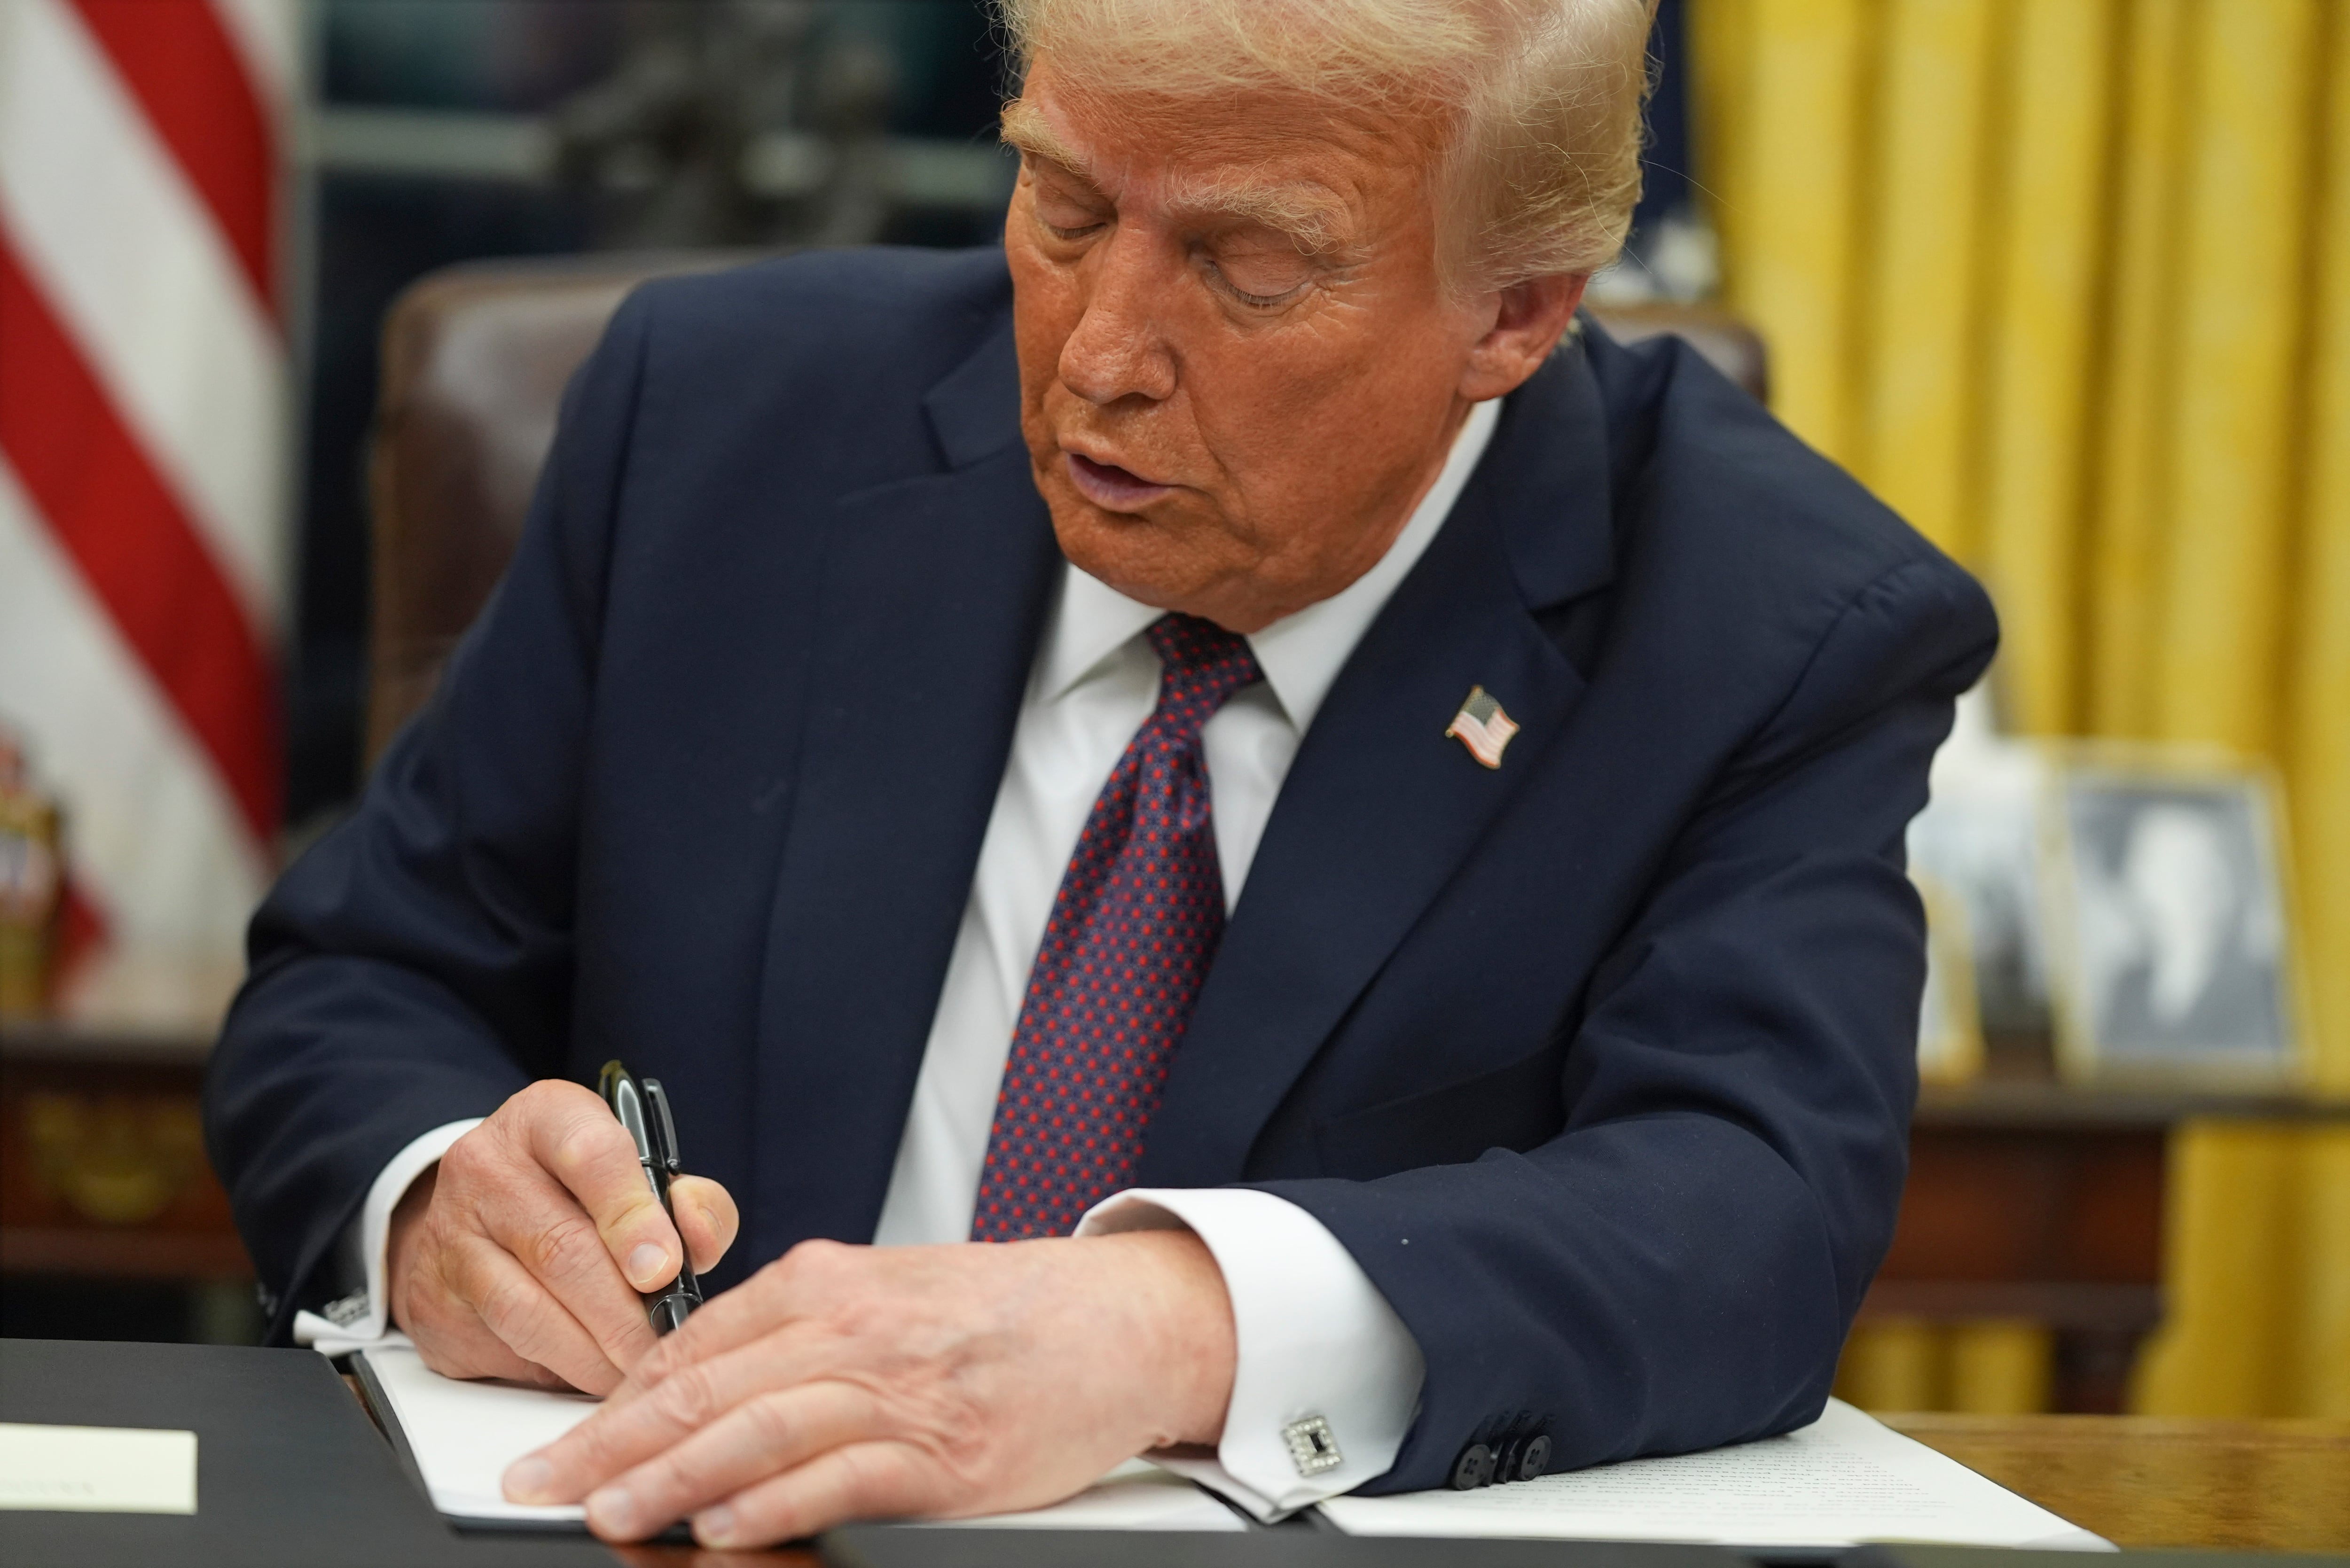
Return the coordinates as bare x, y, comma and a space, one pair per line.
1529, 318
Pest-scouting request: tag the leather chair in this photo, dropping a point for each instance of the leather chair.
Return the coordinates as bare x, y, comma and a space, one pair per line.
474, 361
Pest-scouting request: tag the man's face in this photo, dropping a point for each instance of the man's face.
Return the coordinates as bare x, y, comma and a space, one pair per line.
1238, 371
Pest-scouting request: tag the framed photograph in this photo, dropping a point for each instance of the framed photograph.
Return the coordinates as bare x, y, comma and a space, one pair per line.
2169, 950
1978, 841
1949, 1030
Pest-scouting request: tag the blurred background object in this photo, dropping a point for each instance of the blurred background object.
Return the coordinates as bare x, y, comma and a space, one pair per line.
449, 129
2066, 281
144, 396
145, 403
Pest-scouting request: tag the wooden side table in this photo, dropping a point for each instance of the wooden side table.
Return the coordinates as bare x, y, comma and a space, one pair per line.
2036, 1200
102, 1167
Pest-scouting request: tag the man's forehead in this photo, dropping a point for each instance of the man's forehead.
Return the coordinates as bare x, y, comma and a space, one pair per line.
1305, 173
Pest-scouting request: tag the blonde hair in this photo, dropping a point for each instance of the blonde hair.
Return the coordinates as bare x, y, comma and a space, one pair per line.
1540, 100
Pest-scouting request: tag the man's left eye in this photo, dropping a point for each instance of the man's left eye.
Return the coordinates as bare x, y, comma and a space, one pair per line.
1262, 301
1256, 284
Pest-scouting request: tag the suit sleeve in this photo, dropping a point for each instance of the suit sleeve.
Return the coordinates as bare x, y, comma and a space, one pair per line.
1677, 1269
414, 967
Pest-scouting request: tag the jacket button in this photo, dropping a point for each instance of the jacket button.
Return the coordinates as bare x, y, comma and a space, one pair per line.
1535, 1460
1505, 1459
1473, 1468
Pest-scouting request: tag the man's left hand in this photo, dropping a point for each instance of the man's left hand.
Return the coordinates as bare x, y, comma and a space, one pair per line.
843, 1382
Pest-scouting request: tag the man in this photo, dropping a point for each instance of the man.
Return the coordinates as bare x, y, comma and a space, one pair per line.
1231, 721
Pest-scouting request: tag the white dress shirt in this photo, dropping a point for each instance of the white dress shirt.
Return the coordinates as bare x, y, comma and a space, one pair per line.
1314, 1337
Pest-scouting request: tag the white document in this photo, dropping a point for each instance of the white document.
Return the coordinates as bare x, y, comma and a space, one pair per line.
463, 1436
1845, 1479
1137, 1495
97, 1469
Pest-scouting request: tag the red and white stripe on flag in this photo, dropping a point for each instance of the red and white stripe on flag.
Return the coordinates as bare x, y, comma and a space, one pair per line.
142, 458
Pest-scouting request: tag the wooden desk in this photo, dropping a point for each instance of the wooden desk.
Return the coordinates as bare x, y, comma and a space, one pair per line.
2138, 1481
2146, 1481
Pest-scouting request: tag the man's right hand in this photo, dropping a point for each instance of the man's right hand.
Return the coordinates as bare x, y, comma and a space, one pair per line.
522, 1253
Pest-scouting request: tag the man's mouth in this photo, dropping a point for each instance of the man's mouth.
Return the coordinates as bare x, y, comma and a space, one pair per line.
1113, 488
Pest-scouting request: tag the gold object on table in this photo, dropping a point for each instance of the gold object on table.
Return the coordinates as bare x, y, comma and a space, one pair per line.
32, 885
115, 1160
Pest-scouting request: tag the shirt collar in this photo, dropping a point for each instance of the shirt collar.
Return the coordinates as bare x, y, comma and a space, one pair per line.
1300, 654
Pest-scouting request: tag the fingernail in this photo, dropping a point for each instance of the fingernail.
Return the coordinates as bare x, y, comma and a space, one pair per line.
526, 1479
648, 1264
714, 1526
613, 1510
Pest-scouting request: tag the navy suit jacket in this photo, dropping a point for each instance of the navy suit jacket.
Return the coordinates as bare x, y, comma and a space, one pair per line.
1599, 1062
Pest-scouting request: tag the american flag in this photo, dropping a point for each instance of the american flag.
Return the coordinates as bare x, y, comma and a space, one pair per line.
1482, 727
142, 444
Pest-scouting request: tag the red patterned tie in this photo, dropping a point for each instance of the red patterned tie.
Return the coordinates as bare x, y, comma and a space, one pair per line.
1133, 930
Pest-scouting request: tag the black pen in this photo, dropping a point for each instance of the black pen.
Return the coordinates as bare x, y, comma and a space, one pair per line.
643, 1109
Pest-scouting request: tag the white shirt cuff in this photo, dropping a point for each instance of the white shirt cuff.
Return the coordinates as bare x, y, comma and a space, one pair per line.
359, 1321
1316, 1341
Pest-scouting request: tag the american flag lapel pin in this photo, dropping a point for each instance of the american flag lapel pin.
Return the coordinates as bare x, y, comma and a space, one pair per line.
1482, 727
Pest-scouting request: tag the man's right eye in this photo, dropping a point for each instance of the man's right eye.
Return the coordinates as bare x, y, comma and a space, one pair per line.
1065, 219
1062, 213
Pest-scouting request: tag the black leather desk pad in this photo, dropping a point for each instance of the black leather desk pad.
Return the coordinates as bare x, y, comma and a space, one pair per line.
886, 1546
1921, 1556
289, 1470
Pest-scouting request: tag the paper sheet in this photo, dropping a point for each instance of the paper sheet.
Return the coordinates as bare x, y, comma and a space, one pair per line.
97, 1469
464, 1435
1137, 1495
1847, 1478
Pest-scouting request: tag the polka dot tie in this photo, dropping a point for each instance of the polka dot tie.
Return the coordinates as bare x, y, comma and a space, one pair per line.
1133, 930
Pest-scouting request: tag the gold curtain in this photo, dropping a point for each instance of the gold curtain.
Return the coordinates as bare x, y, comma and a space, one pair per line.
2067, 282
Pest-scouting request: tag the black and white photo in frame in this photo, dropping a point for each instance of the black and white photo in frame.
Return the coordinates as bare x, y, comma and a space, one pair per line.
2169, 949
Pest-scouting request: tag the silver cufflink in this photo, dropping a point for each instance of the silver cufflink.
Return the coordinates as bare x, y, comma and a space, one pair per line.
1313, 1447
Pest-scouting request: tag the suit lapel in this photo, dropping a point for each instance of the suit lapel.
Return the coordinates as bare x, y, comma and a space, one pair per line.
1380, 805
935, 590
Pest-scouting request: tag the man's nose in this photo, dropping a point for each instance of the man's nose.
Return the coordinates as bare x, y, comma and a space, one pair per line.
1117, 350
